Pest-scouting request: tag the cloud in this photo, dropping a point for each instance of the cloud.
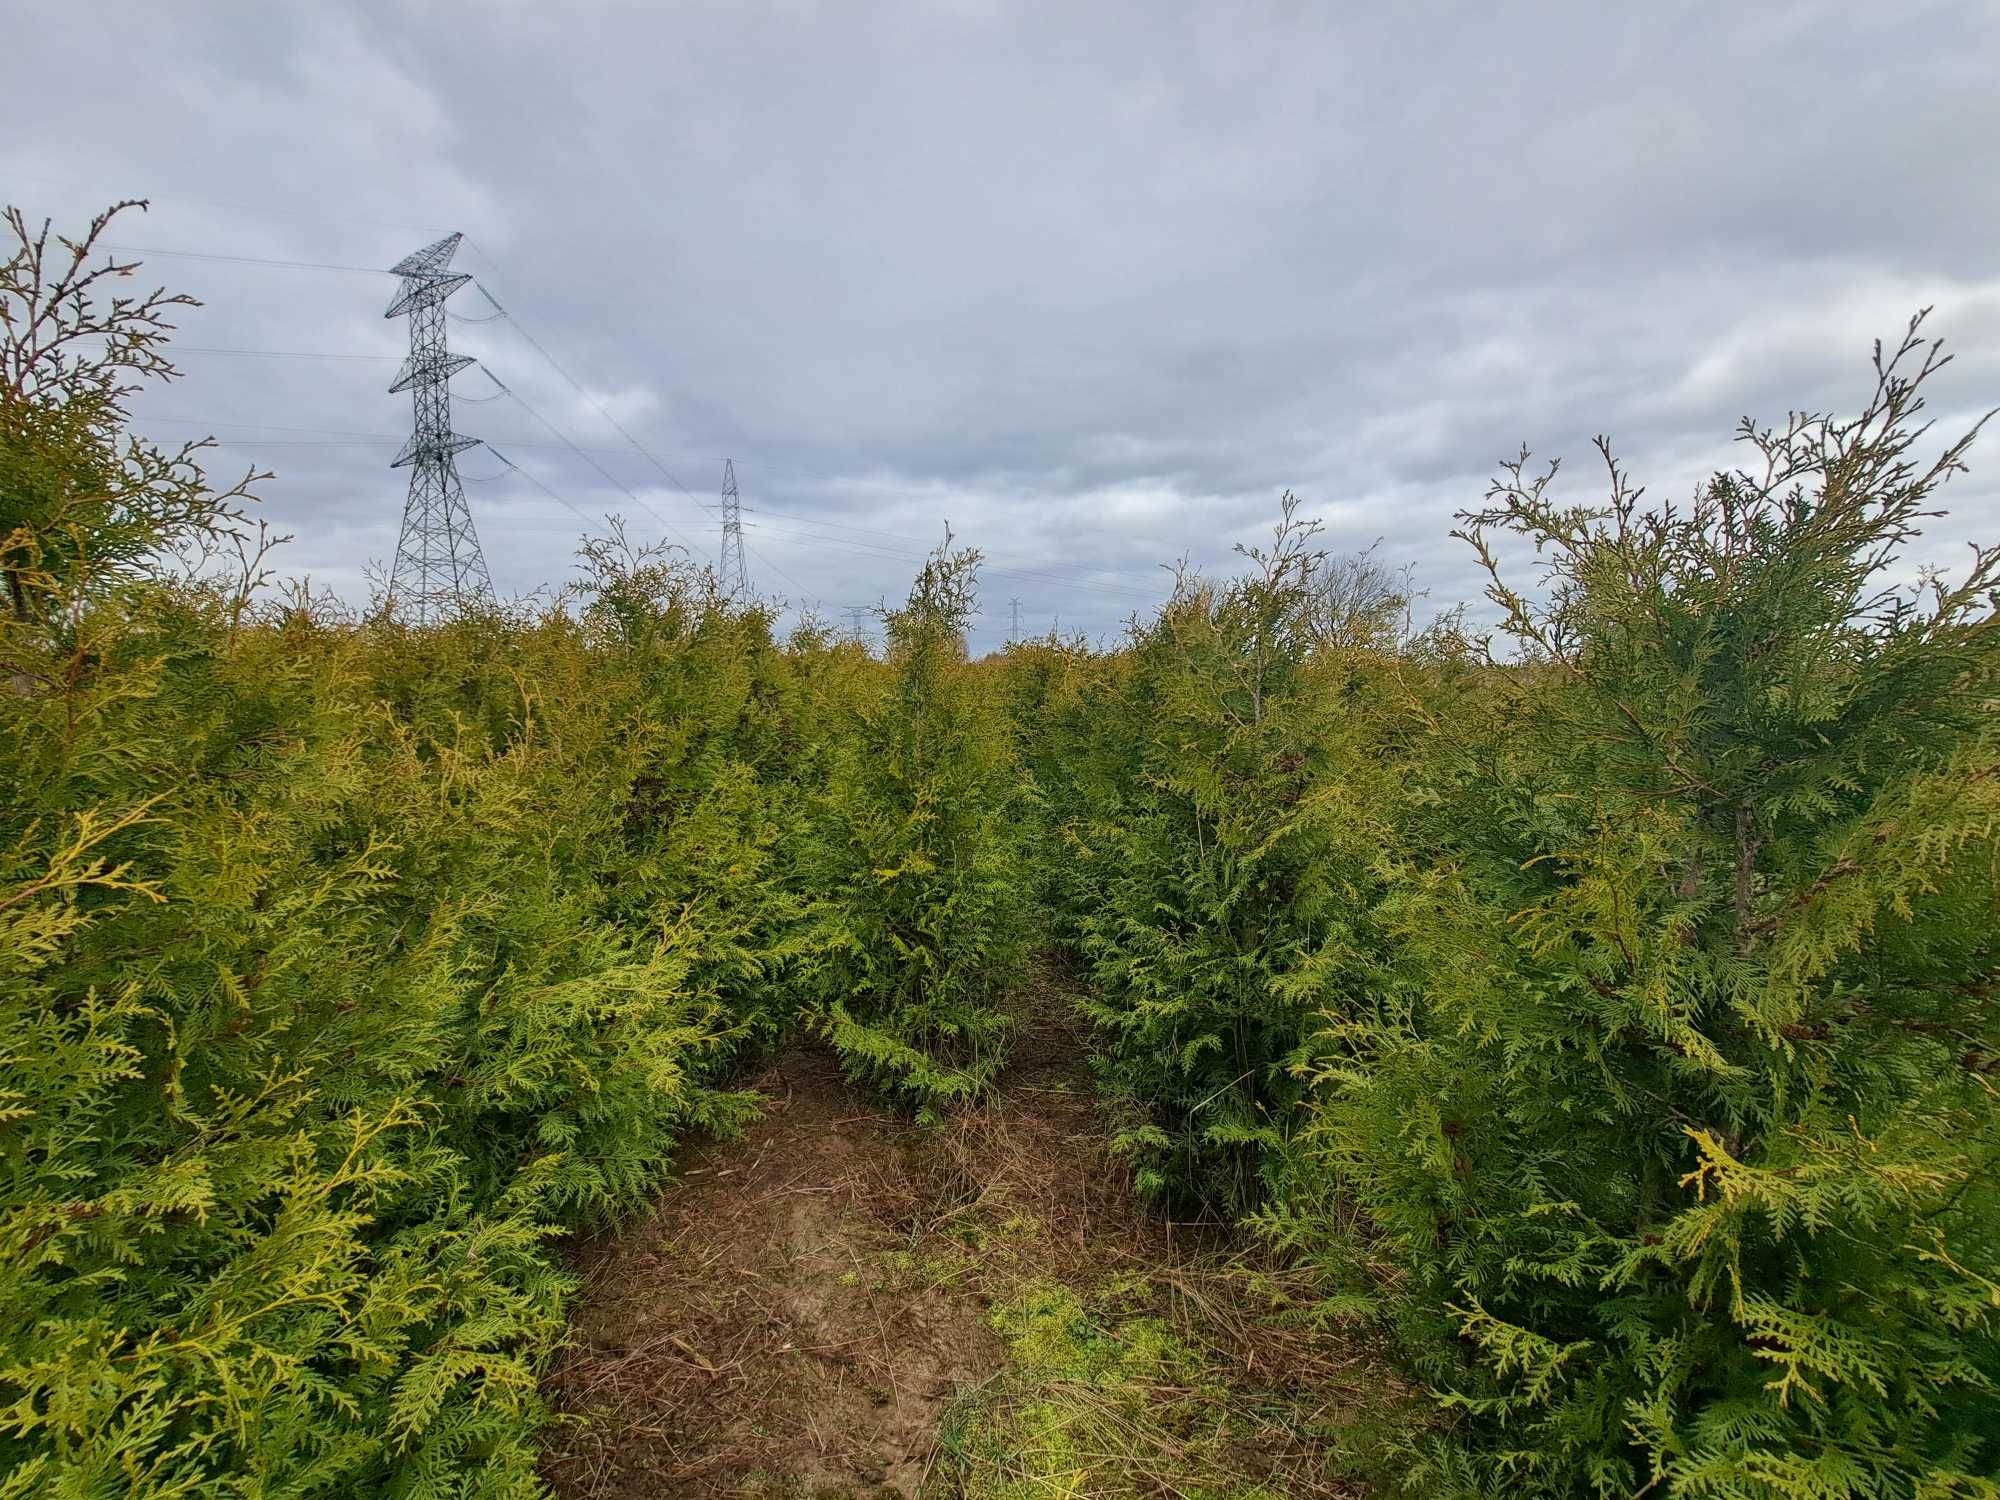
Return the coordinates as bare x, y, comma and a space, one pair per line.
1094, 283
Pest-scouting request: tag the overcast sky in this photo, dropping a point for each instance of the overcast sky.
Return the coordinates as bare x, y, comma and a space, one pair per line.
1093, 283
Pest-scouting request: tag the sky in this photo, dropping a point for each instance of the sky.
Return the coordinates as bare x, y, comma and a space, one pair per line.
1091, 284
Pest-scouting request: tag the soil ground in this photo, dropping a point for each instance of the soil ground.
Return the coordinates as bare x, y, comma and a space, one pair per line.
810, 1310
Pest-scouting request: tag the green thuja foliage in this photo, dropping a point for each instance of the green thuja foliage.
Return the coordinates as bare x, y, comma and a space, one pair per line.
1671, 1122
1058, 693
1231, 843
342, 965
728, 745
920, 858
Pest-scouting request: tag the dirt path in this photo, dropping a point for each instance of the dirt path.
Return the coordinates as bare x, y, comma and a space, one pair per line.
835, 1306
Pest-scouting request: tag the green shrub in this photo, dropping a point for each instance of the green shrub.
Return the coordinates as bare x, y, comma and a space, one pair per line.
919, 859
1672, 1125
1233, 871
341, 966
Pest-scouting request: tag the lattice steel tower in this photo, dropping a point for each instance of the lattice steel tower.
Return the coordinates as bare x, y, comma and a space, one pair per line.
735, 571
439, 568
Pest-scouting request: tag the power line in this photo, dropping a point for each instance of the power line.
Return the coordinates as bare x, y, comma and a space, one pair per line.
171, 194
766, 560
1070, 585
897, 537
581, 390
277, 353
560, 500
335, 432
346, 437
576, 385
1077, 585
343, 438
608, 476
319, 437
325, 437
249, 260
501, 311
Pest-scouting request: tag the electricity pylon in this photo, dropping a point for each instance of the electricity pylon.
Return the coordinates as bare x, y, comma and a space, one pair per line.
1014, 632
734, 570
439, 568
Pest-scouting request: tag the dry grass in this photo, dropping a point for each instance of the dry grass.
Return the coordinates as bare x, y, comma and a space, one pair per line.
747, 1328
810, 1310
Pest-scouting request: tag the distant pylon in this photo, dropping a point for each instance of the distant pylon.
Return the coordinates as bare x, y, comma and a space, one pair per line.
1014, 631
439, 568
854, 614
734, 571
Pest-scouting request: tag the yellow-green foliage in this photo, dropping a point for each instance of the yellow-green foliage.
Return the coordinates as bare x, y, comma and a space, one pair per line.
1214, 802
919, 859
1671, 1119
1613, 1024
315, 1021
342, 964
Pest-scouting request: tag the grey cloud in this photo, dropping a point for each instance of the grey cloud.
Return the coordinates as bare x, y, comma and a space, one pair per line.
1094, 283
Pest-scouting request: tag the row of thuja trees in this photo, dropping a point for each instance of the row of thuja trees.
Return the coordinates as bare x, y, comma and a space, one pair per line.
1612, 1023
344, 967
1608, 1020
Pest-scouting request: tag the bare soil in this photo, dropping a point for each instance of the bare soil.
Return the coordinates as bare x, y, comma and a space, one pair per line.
805, 1301
748, 1330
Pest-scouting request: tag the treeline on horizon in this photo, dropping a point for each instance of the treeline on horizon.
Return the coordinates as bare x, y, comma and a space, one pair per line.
1606, 1017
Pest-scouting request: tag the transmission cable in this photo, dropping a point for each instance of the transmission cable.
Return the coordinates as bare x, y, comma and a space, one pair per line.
896, 536
1076, 585
171, 349
499, 310
317, 437
537, 483
607, 475
595, 404
772, 563
249, 260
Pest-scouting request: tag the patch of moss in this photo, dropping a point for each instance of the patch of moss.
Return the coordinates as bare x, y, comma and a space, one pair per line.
1097, 1400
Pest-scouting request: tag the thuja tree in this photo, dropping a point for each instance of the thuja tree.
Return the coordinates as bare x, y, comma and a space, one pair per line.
919, 859
1675, 1117
83, 506
726, 750
1233, 869
1065, 703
